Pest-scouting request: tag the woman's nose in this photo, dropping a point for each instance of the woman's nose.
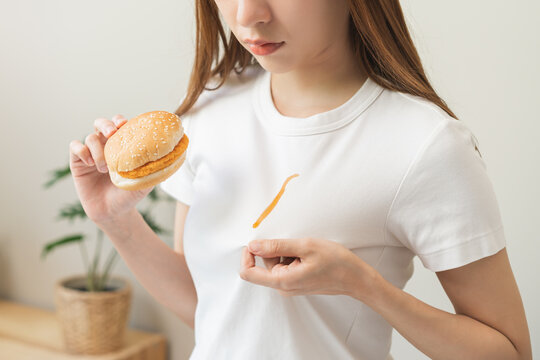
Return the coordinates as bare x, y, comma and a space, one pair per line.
251, 12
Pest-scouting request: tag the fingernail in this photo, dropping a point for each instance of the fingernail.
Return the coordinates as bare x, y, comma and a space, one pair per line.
118, 121
110, 130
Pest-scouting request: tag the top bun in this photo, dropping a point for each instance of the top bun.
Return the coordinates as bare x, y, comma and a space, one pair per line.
145, 138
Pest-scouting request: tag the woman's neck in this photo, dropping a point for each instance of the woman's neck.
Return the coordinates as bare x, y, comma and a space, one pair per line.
318, 88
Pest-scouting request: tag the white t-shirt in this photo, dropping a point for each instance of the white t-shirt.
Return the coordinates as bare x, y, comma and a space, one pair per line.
386, 174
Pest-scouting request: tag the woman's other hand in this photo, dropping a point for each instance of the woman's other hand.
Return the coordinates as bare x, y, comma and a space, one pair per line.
310, 266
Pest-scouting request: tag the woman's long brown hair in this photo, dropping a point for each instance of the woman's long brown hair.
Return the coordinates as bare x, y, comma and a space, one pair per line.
379, 36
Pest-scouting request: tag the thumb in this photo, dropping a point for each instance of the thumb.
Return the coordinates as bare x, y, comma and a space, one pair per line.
278, 247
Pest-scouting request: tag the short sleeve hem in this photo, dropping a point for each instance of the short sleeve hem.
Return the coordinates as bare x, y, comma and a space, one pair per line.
184, 194
180, 184
465, 253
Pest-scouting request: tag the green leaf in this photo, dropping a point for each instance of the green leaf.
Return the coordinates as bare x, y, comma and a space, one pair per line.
65, 240
72, 212
153, 225
153, 196
57, 175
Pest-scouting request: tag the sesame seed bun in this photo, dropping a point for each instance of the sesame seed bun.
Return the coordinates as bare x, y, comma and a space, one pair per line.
146, 150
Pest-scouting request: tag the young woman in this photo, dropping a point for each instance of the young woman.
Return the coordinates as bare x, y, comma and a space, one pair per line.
319, 165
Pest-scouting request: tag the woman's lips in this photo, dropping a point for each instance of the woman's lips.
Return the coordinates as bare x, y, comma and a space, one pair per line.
265, 49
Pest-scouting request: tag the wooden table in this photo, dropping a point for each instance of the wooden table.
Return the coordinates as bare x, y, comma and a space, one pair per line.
29, 333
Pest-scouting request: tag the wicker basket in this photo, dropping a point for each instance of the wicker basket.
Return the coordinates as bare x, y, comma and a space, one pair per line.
92, 322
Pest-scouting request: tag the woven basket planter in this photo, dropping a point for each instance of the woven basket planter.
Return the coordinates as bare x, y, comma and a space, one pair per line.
92, 322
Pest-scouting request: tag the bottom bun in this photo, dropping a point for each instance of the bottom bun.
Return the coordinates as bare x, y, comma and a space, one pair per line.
148, 180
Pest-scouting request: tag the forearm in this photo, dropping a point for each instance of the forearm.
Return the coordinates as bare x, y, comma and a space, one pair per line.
161, 271
437, 333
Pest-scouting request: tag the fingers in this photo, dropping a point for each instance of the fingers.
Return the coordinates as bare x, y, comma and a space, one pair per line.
269, 248
283, 260
271, 262
253, 273
91, 152
288, 260
105, 128
119, 120
281, 275
96, 147
80, 153
248, 260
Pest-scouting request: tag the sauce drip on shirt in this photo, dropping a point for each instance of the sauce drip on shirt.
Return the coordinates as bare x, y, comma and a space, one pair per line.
274, 202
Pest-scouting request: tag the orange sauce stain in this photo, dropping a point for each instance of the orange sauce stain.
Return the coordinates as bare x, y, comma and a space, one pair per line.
274, 202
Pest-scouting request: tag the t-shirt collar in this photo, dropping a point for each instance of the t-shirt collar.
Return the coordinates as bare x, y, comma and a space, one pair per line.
315, 124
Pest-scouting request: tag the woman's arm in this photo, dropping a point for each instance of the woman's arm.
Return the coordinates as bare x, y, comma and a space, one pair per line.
162, 271
489, 323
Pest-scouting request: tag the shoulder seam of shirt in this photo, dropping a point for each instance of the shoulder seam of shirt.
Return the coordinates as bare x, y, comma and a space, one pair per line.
414, 161
427, 104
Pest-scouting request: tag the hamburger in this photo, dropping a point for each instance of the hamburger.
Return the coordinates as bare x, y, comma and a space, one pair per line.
146, 150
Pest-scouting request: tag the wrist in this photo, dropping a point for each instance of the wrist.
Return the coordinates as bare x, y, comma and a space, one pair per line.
119, 226
369, 285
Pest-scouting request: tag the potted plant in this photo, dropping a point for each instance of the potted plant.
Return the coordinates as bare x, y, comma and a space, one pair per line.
93, 307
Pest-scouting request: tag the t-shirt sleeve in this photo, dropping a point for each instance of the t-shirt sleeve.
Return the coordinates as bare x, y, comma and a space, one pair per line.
180, 184
445, 209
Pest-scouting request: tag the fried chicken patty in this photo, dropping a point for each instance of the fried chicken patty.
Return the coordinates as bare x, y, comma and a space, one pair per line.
159, 164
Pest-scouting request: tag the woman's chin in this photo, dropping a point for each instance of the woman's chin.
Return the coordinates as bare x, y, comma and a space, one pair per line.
274, 66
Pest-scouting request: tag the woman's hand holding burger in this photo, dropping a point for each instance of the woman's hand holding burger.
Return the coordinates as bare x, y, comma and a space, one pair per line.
100, 198
121, 162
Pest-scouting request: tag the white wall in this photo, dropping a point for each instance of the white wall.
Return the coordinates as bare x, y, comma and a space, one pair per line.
64, 63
